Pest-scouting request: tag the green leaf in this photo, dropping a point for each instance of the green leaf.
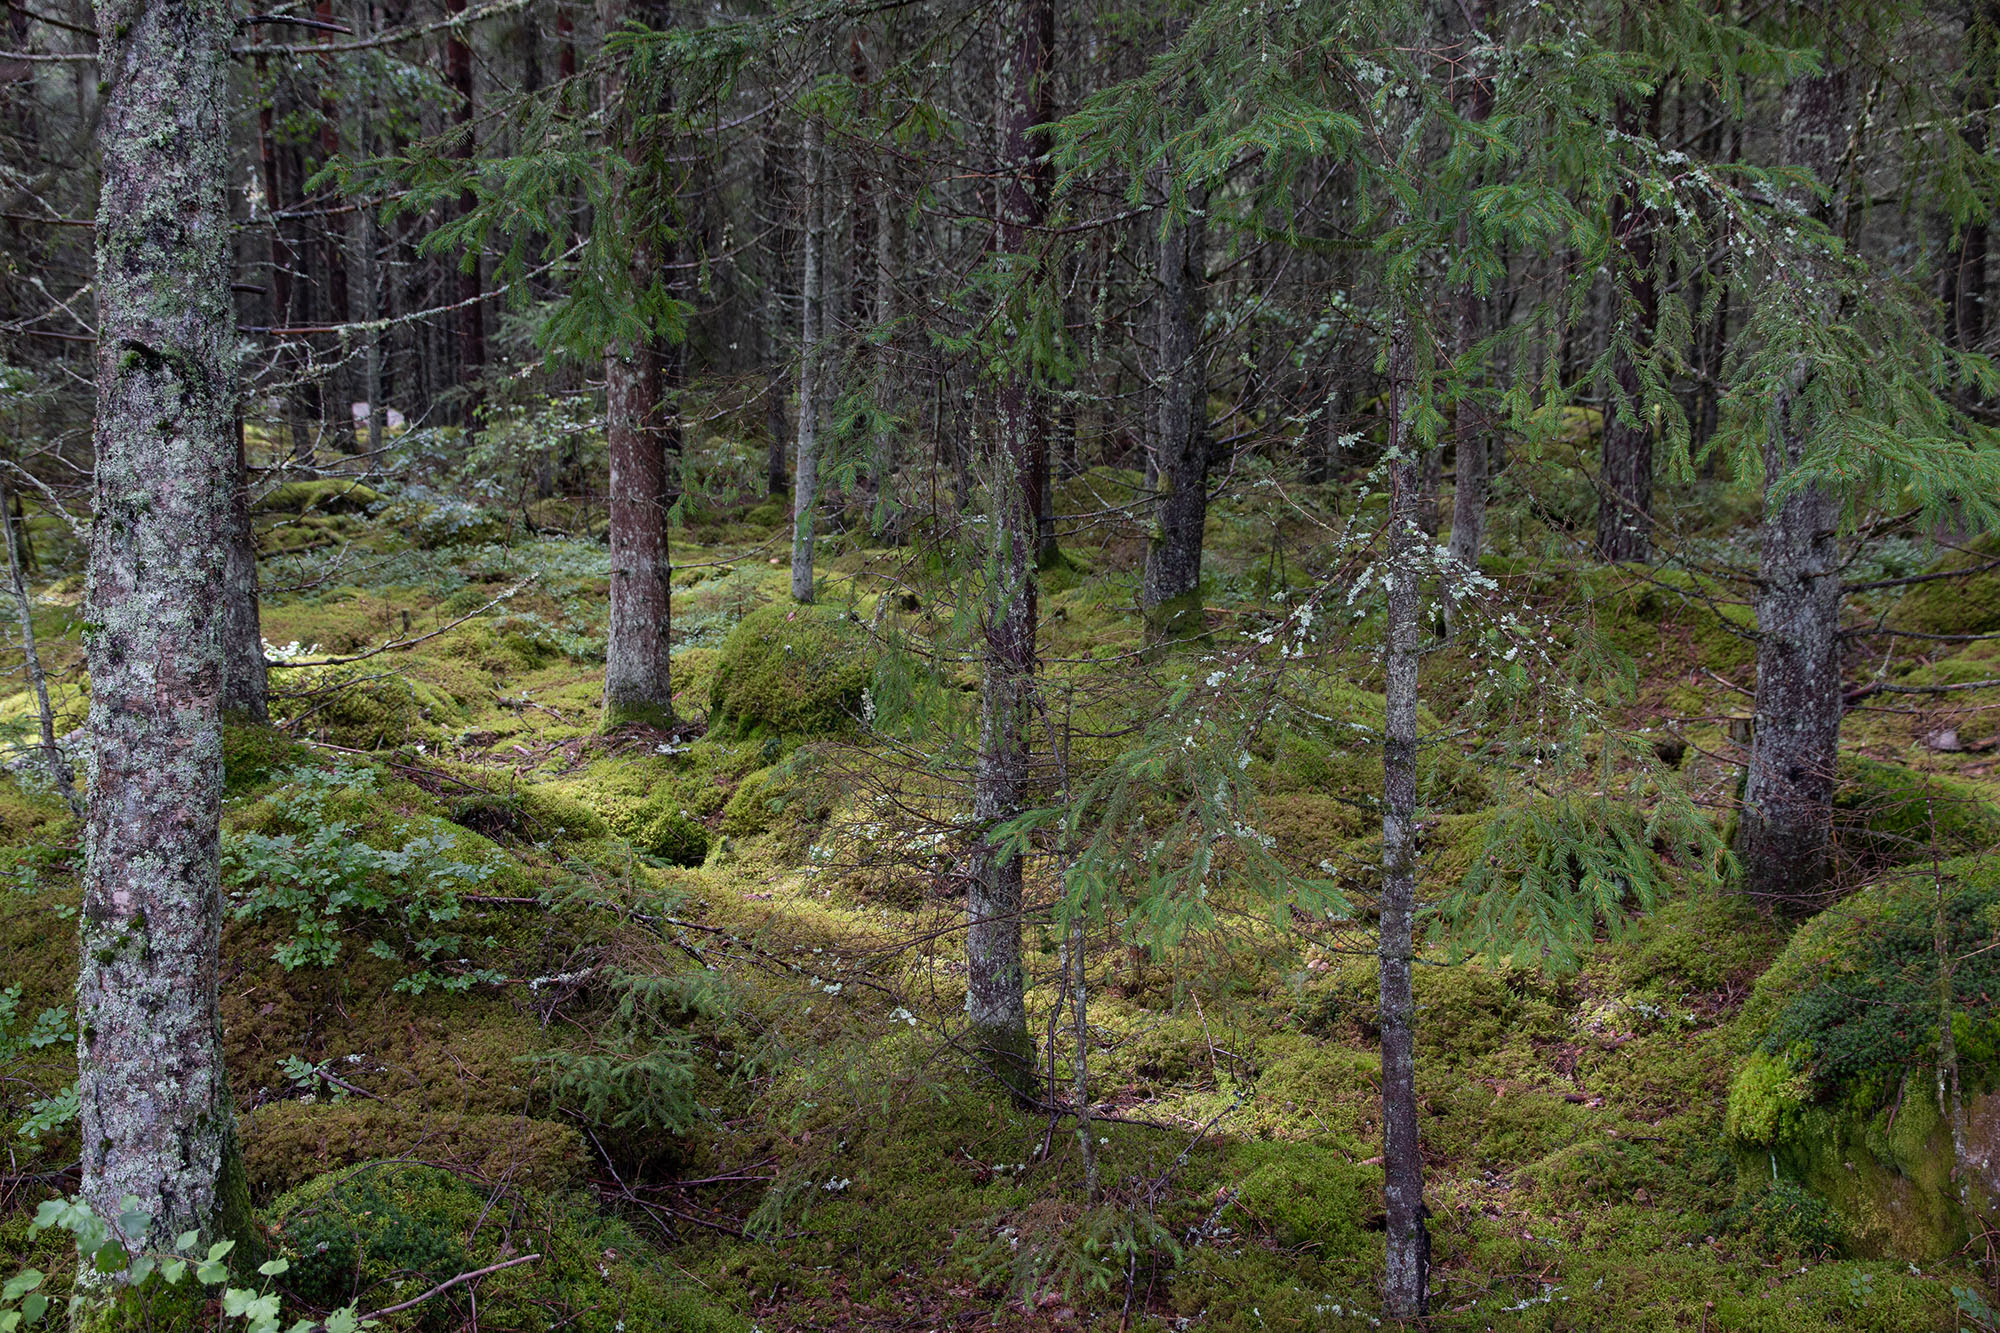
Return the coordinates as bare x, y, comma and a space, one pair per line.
34, 1307
185, 1241
21, 1284
172, 1271
273, 1267
110, 1257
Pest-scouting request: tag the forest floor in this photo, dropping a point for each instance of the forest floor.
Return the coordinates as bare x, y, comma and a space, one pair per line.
672, 1009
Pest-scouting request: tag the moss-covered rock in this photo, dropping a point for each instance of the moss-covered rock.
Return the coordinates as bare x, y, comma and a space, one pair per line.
361, 1235
286, 1144
323, 495
674, 836
790, 671
1838, 1092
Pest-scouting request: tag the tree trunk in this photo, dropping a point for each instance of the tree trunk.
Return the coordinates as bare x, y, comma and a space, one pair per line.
1406, 1281
246, 683
805, 479
1472, 466
1785, 837
638, 677
53, 756
995, 998
1170, 594
155, 1116
1625, 481
471, 308
777, 468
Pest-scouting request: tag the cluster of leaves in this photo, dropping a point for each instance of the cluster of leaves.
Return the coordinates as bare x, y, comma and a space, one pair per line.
1786, 1218
118, 1257
50, 1027
327, 877
1089, 1256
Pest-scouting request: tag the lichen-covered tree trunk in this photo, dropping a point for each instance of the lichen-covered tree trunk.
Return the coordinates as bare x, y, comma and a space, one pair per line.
1785, 836
246, 681
1170, 593
638, 676
1405, 1282
812, 296
995, 1000
156, 1122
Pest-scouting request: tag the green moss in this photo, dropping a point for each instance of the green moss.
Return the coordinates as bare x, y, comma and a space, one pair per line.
790, 671
359, 1235
325, 495
674, 837
252, 756
1885, 814
1968, 605
1766, 1100
286, 1144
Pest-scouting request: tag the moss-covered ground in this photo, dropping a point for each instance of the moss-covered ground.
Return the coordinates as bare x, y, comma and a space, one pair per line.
673, 1011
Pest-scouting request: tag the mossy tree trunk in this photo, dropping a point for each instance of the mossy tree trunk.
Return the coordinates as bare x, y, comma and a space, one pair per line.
1405, 1282
995, 999
1785, 836
1170, 593
156, 1122
638, 675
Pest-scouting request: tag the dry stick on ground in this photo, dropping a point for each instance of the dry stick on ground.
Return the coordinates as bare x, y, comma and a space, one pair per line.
443, 1286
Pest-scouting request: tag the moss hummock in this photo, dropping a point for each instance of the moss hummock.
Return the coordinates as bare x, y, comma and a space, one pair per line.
791, 671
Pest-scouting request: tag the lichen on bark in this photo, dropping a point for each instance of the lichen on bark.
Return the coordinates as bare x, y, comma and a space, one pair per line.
156, 1123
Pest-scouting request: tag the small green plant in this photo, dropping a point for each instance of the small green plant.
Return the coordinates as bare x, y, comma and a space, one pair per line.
121, 1255
328, 875
1085, 1258
641, 1073
50, 1027
1786, 1218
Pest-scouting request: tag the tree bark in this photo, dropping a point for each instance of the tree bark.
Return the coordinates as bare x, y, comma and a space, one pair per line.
1406, 1281
1472, 465
471, 307
812, 298
1625, 481
156, 1122
638, 675
1170, 593
995, 999
246, 683
1785, 836
777, 467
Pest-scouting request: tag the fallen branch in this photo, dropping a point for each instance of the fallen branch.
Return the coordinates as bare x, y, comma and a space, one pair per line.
445, 1285
396, 644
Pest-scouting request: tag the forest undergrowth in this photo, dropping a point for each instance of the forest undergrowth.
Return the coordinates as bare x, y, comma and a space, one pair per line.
674, 1010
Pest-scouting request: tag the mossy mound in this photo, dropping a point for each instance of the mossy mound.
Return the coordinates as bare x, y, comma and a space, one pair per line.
1837, 1091
674, 836
790, 671
322, 495
1887, 815
253, 756
386, 1232
286, 1144
1968, 605
353, 706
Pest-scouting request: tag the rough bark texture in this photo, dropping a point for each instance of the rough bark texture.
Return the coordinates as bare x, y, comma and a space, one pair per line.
1625, 480
777, 467
638, 683
1405, 1282
995, 1003
155, 1114
1170, 594
805, 473
246, 682
1785, 837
